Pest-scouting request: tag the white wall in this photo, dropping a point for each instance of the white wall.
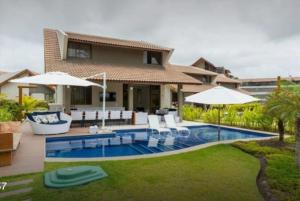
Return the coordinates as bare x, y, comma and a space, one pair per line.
11, 90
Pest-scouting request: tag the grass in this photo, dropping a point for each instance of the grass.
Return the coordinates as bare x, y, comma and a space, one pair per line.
220, 173
282, 174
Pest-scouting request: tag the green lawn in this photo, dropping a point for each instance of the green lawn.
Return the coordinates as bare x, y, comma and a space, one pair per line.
217, 173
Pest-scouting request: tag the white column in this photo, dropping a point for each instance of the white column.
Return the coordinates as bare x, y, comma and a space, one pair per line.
67, 98
180, 100
130, 98
59, 95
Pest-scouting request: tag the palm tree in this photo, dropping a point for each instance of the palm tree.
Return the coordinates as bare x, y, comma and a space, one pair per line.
286, 104
271, 110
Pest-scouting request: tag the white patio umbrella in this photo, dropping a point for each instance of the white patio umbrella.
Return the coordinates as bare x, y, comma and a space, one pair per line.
220, 96
60, 79
55, 78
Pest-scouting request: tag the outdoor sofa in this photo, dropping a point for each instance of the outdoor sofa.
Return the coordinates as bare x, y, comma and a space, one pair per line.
61, 125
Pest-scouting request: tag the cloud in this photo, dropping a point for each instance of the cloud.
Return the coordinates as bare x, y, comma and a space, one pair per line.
252, 38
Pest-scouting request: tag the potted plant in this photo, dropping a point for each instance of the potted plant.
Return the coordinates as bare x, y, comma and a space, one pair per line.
10, 115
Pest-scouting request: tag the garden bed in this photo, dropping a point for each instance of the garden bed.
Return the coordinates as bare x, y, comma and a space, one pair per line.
280, 171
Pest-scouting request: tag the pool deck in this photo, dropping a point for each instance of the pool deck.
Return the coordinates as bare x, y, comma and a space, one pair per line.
30, 156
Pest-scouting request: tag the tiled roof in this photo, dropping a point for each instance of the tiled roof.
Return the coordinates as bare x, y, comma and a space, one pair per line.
5, 77
200, 60
196, 88
143, 74
201, 88
191, 70
269, 79
221, 78
115, 41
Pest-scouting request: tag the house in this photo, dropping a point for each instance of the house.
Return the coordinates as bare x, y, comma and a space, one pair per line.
262, 87
139, 74
11, 90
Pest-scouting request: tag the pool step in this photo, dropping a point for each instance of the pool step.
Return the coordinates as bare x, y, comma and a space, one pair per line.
137, 149
148, 148
182, 145
142, 149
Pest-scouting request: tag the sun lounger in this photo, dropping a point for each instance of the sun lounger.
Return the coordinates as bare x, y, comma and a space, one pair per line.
170, 122
154, 125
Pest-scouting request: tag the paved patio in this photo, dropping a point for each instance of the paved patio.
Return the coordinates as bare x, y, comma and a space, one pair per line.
29, 157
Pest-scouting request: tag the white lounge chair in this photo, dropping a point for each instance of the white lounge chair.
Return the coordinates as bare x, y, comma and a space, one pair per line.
154, 125
169, 141
170, 123
153, 142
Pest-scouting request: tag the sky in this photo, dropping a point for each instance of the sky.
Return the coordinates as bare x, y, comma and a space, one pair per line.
257, 38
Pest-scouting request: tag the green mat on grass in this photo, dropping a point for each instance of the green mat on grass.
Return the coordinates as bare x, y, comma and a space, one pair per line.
73, 176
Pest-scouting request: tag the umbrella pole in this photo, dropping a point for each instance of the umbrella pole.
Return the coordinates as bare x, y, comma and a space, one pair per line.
104, 95
56, 95
219, 120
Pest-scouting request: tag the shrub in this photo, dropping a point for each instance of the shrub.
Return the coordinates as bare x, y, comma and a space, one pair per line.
191, 113
5, 115
31, 104
12, 107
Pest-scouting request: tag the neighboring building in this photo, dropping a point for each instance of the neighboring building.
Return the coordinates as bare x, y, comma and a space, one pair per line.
262, 87
209, 75
11, 89
138, 73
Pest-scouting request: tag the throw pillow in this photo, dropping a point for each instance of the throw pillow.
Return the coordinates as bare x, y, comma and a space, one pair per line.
43, 118
52, 118
37, 119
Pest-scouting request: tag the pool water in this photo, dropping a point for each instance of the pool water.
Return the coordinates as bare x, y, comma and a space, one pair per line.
102, 145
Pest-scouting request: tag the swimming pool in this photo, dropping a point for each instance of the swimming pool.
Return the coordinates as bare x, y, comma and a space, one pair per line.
136, 142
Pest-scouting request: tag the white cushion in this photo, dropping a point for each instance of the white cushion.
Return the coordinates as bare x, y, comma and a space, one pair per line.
37, 119
52, 118
43, 118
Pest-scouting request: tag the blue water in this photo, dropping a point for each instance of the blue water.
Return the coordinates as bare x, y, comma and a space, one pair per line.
99, 145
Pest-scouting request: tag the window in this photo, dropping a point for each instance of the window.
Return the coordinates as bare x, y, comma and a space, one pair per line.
109, 96
152, 58
81, 95
79, 50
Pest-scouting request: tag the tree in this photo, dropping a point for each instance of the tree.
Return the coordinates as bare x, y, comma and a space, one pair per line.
286, 104
271, 109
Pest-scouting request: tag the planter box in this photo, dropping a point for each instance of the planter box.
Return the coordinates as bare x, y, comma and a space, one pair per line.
7, 132
6, 148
